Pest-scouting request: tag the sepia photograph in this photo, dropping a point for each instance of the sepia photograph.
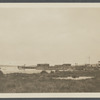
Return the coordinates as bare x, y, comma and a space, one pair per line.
49, 48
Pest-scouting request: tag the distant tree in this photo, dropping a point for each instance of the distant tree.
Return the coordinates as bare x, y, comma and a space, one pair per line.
57, 71
44, 72
52, 72
75, 76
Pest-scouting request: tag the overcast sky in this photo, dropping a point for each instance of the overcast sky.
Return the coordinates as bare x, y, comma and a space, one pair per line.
49, 35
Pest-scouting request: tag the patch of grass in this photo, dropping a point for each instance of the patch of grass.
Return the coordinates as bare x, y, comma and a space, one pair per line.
44, 82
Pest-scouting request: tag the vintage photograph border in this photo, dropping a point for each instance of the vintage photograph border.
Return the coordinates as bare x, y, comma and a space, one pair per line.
51, 96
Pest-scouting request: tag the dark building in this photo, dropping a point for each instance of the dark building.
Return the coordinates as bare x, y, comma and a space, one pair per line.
63, 66
42, 66
66, 65
39, 65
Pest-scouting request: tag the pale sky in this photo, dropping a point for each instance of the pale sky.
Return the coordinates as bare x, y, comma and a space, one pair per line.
49, 35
